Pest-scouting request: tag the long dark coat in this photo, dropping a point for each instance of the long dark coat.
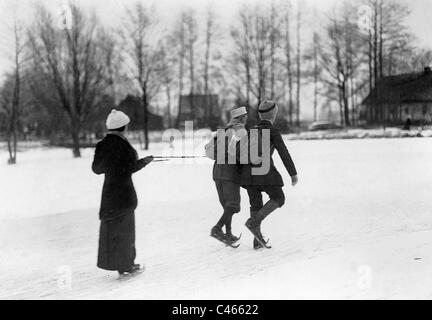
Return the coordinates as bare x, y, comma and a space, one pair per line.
273, 177
118, 160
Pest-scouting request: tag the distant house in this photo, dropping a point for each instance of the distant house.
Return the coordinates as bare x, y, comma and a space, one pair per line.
204, 110
132, 106
399, 98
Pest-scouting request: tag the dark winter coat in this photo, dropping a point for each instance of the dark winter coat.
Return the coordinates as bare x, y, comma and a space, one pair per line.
118, 160
224, 172
273, 177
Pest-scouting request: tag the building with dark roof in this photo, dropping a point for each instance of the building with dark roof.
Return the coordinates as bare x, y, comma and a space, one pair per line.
132, 106
399, 98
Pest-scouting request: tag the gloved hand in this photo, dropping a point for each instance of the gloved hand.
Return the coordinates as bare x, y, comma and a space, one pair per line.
145, 161
294, 181
148, 160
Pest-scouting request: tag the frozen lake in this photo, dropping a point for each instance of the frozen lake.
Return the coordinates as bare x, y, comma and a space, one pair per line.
358, 226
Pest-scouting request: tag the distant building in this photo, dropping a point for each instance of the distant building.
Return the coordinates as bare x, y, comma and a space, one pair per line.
132, 106
399, 98
204, 110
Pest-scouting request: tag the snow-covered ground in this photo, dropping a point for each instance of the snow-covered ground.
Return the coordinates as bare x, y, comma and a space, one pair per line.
359, 225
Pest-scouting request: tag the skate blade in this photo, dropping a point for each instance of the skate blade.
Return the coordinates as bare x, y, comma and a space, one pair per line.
129, 276
263, 244
232, 245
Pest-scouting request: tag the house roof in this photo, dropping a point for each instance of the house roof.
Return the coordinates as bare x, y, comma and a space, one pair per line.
403, 88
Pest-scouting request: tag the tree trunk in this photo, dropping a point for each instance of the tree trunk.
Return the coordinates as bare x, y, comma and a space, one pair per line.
12, 136
248, 80
181, 70
76, 145
371, 80
346, 104
315, 57
375, 59
12, 146
298, 65
146, 120
209, 34
168, 92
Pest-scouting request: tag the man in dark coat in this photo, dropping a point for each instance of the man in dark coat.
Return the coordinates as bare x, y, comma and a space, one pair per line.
270, 181
118, 160
226, 172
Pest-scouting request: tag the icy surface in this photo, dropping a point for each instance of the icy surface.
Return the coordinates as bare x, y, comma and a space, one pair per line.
359, 225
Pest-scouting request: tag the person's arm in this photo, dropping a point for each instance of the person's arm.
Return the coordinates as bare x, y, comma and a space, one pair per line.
210, 149
131, 162
98, 165
285, 155
137, 165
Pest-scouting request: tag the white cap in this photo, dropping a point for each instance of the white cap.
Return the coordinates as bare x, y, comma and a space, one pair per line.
238, 112
117, 120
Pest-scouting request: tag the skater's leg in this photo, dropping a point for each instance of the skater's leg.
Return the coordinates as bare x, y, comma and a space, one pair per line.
226, 216
231, 193
217, 229
255, 199
277, 200
256, 203
256, 244
228, 223
268, 209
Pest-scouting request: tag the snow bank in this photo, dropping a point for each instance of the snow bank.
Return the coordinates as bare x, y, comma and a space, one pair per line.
361, 134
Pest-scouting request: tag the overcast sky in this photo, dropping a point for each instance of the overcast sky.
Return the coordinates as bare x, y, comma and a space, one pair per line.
110, 12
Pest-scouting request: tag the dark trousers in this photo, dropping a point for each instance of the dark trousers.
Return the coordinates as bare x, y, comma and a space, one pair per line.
117, 243
229, 195
256, 198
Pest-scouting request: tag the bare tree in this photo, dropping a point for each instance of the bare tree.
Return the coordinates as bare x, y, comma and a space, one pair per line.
340, 63
167, 77
298, 62
179, 43
242, 53
388, 45
70, 59
288, 61
12, 91
314, 71
191, 40
209, 39
144, 54
19, 47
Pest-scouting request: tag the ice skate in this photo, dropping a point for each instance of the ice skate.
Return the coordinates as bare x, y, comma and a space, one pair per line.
255, 228
232, 238
218, 234
134, 271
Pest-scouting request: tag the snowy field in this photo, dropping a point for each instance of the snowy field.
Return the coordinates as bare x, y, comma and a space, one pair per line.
358, 226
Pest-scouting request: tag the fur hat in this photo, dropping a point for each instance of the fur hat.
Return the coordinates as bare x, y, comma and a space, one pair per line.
238, 112
268, 110
117, 120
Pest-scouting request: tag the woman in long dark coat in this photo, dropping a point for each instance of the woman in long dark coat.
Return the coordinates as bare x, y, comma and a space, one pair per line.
118, 160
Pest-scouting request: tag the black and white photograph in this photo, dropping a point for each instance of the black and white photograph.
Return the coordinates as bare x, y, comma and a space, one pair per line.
215, 150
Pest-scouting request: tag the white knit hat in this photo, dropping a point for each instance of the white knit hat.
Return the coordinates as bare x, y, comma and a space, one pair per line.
116, 120
238, 112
